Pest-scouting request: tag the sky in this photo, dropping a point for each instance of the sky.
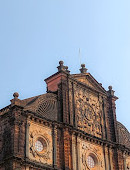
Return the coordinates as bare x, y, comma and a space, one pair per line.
36, 34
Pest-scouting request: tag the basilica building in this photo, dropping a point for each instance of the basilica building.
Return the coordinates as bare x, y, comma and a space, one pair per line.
72, 126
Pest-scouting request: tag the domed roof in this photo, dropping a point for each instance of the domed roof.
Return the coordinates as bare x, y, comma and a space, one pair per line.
124, 135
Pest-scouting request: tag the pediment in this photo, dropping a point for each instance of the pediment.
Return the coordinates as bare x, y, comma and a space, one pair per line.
88, 80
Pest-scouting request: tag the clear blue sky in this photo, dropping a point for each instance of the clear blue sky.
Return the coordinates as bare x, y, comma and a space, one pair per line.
36, 34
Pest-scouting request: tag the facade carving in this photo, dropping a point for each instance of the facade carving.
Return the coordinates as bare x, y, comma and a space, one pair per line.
41, 152
91, 151
71, 127
128, 162
89, 112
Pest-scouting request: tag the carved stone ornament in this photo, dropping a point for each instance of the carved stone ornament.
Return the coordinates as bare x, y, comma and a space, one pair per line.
39, 145
128, 162
91, 157
128, 166
89, 113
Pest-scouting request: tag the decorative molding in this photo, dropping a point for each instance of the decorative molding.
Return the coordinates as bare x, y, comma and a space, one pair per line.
89, 112
42, 134
94, 151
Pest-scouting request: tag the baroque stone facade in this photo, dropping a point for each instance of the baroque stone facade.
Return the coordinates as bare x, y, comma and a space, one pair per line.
71, 127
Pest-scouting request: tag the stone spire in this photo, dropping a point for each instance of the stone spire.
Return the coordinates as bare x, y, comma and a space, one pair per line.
83, 69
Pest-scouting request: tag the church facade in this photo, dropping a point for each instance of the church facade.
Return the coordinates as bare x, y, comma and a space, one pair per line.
71, 127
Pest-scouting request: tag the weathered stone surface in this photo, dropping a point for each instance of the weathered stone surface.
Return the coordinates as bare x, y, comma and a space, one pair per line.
71, 127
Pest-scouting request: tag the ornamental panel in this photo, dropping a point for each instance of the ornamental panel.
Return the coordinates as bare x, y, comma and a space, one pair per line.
89, 112
40, 143
90, 156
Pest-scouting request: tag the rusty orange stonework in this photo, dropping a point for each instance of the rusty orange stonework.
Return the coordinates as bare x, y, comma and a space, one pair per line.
71, 127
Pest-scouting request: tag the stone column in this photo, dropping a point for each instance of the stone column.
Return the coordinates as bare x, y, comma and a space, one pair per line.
112, 110
27, 139
107, 157
78, 154
74, 152
124, 160
54, 146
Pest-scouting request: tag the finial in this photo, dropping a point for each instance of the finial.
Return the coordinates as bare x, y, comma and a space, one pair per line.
61, 67
66, 69
110, 87
61, 63
111, 91
83, 69
15, 100
16, 95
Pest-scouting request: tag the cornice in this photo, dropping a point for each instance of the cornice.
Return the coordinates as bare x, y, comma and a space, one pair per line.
73, 130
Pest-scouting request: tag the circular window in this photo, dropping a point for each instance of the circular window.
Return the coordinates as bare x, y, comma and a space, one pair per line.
90, 162
39, 146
